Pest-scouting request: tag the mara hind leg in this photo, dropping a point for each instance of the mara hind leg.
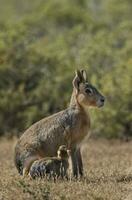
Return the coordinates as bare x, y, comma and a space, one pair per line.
28, 163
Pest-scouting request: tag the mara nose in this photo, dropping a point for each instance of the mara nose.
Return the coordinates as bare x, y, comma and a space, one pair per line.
102, 99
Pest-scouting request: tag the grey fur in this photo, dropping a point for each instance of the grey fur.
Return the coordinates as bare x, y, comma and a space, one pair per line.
51, 167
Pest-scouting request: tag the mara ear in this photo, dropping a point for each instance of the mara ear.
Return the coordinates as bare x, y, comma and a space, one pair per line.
84, 75
77, 80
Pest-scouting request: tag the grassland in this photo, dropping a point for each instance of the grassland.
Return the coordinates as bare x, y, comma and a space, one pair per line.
108, 175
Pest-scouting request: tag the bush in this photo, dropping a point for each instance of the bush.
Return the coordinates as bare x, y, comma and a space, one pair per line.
40, 50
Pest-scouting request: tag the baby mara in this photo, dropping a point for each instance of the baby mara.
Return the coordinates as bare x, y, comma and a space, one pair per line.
52, 167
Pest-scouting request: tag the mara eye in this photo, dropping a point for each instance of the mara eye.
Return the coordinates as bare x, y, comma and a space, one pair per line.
89, 91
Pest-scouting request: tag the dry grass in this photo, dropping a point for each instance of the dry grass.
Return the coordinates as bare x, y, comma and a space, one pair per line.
108, 175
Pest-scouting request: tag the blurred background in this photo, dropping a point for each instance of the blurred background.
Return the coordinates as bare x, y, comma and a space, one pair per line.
42, 42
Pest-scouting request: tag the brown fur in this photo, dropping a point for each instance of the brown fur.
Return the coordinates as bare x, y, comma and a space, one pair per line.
68, 127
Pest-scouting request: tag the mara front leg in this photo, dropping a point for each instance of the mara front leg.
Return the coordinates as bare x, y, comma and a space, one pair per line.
74, 162
79, 162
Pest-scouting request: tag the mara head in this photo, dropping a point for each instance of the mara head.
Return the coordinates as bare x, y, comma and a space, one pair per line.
85, 93
63, 152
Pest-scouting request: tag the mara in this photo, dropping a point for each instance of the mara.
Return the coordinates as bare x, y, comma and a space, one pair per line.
68, 127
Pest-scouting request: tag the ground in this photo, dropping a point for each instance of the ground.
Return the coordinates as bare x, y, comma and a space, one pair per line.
108, 175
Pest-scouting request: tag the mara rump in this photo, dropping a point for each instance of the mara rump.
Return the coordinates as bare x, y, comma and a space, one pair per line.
68, 127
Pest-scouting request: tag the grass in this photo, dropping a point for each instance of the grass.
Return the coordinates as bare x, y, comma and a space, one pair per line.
108, 175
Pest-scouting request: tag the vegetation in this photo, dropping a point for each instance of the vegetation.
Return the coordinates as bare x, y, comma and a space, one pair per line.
41, 45
108, 175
